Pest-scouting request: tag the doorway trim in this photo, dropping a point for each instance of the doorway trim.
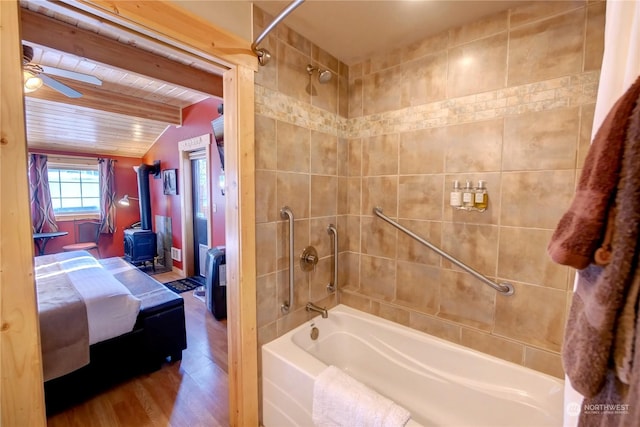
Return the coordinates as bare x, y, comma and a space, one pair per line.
170, 24
185, 148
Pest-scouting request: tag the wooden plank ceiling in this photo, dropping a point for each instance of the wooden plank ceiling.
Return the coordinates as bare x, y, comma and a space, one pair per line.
145, 84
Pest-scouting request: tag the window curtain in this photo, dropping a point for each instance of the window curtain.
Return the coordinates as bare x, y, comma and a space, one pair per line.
107, 196
43, 219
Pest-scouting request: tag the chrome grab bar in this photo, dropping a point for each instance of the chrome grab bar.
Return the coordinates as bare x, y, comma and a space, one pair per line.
504, 288
333, 232
263, 54
286, 212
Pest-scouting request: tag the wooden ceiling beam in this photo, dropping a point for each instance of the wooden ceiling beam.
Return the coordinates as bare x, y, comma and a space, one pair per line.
45, 31
99, 98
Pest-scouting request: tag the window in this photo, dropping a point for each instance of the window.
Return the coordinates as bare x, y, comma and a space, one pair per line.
75, 189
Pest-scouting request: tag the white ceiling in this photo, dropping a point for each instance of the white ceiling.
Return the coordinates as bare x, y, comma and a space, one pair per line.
354, 30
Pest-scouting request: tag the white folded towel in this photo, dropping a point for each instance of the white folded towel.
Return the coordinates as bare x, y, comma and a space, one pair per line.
342, 401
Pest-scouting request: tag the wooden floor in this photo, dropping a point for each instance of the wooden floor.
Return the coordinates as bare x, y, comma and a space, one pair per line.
191, 393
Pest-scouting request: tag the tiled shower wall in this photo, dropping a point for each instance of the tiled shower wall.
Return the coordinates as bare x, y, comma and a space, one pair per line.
508, 99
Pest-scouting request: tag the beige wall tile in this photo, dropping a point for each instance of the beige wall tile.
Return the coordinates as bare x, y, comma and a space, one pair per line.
324, 190
266, 208
324, 153
481, 28
411, 250
474, 147
265, 140
594, 42
541, 140
420, 196
536, 199
343, 196
293, 148
349, 271
392, 313
300, 241
343, 91
351, 239
268, 76
586, 125
544, 361
483, 59
422, 151
533, 315
474, 245
325, 59
380, 192
536, 10
355, 157
319, 279
466, 301
426, 46
424, 80
265, 248
343, 157
377, 277
496, 346
268, 305
418, 286
356, 95
301, 291
378, 238
293, 191
293, 79
356, 301
523, 257
547, 49
434, 326
354, 195
294, 39
380, 155
380, 91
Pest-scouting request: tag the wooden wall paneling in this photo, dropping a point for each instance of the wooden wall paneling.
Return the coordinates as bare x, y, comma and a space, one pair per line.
21, 390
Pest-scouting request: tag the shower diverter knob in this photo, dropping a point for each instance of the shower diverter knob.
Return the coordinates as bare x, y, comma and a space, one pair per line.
308, 258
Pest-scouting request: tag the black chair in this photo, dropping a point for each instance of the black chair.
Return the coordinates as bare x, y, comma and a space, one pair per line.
87, 236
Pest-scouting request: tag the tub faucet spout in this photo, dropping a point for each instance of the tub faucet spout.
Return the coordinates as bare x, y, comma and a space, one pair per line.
312, 307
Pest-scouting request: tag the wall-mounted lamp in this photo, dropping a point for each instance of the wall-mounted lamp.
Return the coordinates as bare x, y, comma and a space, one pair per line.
125, 200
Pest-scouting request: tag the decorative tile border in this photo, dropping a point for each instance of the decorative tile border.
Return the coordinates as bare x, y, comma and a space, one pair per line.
562, 92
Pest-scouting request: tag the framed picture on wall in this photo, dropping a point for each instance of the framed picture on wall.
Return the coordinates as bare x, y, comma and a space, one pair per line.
169, 182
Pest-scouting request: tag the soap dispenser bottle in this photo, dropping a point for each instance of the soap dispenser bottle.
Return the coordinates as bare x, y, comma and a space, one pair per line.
468, 194
455, 199
481, 197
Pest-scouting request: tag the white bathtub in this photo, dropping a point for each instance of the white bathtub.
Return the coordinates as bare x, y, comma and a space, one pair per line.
440, 383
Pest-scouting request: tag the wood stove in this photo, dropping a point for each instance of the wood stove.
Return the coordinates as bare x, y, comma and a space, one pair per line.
139, 245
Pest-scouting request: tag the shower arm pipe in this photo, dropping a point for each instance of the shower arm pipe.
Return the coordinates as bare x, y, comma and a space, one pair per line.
285, 213
262, 54
333, 231
504, 288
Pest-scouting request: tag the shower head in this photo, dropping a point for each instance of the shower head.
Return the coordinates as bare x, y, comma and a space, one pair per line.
324, 76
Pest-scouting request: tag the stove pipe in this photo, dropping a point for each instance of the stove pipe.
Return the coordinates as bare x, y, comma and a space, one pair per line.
144, 193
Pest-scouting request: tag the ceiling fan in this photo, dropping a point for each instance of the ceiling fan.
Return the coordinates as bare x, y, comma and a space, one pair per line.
36, 75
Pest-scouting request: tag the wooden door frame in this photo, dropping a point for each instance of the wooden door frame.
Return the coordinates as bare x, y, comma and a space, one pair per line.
21, 392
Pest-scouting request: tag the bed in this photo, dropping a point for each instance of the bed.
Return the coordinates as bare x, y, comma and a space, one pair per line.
101, 322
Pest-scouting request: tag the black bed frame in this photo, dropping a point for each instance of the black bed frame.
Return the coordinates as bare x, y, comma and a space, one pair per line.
158, 336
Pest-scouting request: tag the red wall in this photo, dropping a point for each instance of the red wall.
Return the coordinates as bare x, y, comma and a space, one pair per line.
196, 121
125, 182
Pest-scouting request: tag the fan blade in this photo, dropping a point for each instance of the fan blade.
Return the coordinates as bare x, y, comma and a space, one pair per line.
72, 75
60, 87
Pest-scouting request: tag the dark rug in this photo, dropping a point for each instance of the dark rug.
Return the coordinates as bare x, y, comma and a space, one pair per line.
184, 285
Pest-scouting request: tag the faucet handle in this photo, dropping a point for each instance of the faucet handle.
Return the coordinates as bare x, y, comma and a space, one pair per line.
309, 259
